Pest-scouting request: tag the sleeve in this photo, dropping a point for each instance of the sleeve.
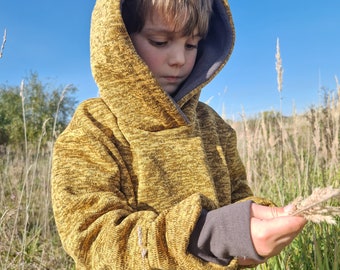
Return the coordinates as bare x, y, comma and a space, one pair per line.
96, 219
223, 234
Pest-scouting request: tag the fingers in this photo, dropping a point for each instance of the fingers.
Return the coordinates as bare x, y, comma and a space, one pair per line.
272, 228
265, 212
270, 236
288, 209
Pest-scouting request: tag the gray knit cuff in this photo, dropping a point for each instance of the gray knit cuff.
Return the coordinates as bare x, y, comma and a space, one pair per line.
224, 233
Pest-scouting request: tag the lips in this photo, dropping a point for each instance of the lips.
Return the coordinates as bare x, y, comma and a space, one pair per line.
170, 83
172, 79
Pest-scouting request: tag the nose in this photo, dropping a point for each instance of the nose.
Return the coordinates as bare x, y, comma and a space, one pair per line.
176, 56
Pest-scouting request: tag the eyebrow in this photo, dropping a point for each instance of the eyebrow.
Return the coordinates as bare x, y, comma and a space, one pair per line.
161, 30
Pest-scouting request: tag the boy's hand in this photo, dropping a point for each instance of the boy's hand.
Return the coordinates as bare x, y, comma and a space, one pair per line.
272, 229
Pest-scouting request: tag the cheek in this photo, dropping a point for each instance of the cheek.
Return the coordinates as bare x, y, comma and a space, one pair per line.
191, 59
146, 52
152, 59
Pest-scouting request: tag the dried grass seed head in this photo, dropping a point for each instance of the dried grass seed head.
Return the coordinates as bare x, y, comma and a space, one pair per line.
278, 66
313, 208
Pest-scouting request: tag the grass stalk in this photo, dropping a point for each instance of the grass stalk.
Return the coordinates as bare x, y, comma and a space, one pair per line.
279, 71
4, 39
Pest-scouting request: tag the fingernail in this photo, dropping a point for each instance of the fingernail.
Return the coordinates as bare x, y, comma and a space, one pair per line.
289, 208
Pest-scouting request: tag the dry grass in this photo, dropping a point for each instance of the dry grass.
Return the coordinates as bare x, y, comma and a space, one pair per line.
4, 39
288, 158
314, 207
278, 66
27, 231
305, 150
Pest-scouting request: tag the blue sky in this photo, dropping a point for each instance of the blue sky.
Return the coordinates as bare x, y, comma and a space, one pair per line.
52, 39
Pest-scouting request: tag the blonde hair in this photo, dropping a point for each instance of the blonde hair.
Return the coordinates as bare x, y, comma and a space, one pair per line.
184, 15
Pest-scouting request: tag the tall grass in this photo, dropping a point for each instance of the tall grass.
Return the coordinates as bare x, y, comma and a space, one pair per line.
27, 230
306, 148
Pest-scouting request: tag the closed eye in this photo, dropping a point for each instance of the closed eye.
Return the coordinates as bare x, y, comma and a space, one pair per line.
158, 43
191, 46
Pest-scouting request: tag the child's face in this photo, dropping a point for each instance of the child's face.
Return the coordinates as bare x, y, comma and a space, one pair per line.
169, 55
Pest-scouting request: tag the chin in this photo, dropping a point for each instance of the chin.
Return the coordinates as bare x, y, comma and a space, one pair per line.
170, 90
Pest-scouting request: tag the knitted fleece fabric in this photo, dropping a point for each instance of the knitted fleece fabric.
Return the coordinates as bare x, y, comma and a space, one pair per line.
135, 168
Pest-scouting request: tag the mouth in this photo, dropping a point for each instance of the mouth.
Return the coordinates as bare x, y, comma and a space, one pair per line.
172, 79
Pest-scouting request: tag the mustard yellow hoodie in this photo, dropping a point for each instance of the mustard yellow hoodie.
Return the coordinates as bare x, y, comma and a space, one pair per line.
135, 167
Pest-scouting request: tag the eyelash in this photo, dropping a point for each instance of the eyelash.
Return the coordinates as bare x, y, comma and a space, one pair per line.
157, 43
164, 43
191, 46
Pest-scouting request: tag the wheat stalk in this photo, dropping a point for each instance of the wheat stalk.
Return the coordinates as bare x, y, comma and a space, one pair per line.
3, 43
278, 66
313, 208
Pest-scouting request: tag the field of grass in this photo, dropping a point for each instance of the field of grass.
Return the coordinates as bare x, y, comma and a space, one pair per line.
289, 157
284, 156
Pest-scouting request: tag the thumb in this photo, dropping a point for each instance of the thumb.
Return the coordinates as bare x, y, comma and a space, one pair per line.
289, 209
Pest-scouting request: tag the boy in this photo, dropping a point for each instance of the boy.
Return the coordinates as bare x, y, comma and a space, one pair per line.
146, 176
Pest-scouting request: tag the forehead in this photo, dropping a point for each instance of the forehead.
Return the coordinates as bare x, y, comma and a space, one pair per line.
157, 20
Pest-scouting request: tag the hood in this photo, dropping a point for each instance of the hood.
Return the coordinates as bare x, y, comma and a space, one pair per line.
126, 84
